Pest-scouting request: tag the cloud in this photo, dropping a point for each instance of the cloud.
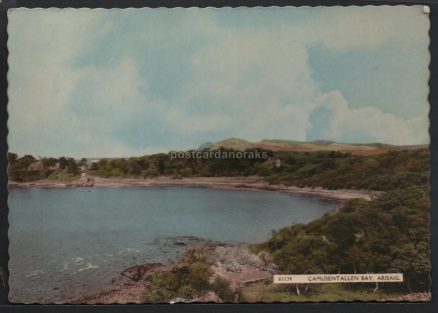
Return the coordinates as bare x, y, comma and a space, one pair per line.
366, 124
124, 82
263, 91
364, 28
42, 44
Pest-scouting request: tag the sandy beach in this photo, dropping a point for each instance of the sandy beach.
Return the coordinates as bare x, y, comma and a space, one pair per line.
251, 183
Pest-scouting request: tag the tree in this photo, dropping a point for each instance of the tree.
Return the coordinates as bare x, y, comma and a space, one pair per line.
364, 237
82, 162
71, 166
12, 158
62, 163
49, 162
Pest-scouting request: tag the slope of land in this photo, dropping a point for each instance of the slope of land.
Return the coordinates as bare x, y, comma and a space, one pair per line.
221, 273
310, 146
318, 169
382, 226
387, 234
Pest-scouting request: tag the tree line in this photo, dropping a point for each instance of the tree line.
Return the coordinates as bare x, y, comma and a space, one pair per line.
328, 169
388, 234
29, 168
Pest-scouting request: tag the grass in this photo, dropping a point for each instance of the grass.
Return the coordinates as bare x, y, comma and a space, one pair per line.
316, 293
59, 175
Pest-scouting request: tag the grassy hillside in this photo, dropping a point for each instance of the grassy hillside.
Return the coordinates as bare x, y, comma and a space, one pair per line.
311, 146
335, 170
233, 143
387, 235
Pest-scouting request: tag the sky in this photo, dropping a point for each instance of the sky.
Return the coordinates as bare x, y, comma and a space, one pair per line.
117, 83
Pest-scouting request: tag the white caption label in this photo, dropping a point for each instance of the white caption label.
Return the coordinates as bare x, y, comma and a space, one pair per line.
338, 278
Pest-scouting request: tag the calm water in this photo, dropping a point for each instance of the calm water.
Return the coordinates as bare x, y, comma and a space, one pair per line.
64, 242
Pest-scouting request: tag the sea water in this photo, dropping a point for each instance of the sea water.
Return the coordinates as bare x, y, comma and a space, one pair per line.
68, 242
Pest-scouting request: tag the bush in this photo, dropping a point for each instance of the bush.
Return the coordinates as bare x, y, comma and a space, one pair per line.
389, 234
188, 281
222, 288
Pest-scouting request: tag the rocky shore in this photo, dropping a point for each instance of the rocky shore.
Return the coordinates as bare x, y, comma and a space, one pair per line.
244, 271
232, 183
235, 264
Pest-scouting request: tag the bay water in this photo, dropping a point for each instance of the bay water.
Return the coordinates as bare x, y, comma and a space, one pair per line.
65, 243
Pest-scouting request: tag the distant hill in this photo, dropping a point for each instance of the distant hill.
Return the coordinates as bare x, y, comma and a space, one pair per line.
233, 143
307, 146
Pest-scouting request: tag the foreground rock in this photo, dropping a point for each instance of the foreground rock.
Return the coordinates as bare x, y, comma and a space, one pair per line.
208, 297
142, 272
130, 288
234, 263
246, 273
125, 291
240, 267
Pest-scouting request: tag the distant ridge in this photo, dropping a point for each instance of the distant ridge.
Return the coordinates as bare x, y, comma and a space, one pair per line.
233, 143
306, 146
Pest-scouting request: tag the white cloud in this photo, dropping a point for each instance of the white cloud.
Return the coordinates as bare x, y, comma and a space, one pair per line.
263, 91
247, 83
363, 28
370, 123
41, 80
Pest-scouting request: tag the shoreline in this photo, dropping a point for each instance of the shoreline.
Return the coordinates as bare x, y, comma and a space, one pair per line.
251, 183
245, 270
252, 269
235, 263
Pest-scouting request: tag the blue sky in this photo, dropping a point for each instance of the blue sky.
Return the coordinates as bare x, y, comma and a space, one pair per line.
132, 82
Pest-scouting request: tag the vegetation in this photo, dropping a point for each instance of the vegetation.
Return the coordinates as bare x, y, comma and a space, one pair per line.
336, 170
187, 282
302, 146
317, 293
328, 169
387, 235
28, 168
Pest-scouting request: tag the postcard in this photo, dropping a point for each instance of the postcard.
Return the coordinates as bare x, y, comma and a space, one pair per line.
219, 155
